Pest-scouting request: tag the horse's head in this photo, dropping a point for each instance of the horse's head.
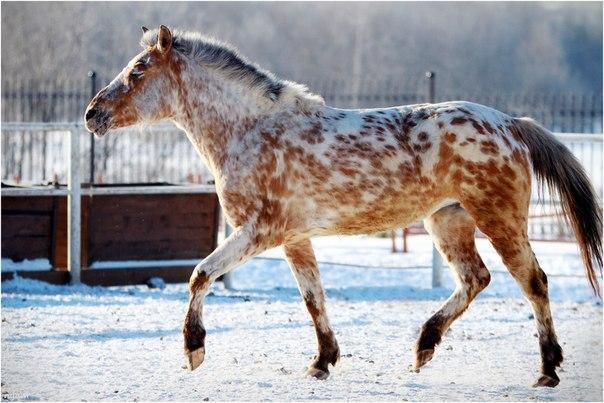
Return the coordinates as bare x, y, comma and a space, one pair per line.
142, 92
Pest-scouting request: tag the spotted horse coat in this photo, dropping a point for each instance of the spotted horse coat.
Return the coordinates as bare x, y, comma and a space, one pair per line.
288, 168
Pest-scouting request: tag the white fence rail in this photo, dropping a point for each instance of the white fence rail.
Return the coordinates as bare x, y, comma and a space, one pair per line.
159, 153
587, 147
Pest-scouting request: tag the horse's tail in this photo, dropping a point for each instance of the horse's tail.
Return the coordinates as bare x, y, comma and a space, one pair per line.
555, 166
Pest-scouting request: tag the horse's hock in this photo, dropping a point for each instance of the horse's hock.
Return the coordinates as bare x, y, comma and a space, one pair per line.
116, 228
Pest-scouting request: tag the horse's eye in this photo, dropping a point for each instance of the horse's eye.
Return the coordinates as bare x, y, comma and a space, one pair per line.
136, 73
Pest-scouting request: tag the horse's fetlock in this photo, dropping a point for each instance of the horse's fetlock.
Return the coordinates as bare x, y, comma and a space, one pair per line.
194, 334
484, 280
552, 353
334, 355
431, 333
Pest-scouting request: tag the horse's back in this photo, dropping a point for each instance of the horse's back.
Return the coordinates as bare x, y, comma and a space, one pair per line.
357, 171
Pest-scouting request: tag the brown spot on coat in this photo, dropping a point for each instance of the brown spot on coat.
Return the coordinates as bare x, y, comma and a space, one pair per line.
450, 137
477, 126
313, 135
458, 120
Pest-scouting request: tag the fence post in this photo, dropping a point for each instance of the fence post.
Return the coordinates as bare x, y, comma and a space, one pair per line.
74, 200
430, 76
437, 265
227, 278
437, 261
92, 76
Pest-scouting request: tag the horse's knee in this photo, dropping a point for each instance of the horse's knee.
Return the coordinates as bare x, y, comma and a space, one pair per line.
199, 280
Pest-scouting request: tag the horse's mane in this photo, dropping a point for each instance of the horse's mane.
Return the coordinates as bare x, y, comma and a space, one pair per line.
225, 59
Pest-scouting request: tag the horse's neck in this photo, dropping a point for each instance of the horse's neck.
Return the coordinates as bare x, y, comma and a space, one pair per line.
213, 112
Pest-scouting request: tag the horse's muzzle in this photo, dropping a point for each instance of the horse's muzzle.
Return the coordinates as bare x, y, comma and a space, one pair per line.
97, 121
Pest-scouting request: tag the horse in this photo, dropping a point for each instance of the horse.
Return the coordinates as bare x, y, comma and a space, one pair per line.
288, 168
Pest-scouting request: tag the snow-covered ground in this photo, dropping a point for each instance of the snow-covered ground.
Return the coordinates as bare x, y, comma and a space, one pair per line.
124, 343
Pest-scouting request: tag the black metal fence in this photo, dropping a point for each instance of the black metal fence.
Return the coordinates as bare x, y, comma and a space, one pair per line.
45, 101
136, 156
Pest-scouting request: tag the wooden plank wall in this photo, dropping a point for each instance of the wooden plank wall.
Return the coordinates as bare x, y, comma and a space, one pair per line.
152, 227
27, 227
114, 228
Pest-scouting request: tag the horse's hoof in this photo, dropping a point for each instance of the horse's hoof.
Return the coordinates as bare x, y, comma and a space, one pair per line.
195, 358
547, 381
422, 357
317, 373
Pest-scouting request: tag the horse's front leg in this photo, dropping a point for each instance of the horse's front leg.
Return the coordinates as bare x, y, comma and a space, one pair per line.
236, 249
301, 259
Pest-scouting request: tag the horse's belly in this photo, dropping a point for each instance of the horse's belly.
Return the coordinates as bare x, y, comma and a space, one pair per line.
387, 215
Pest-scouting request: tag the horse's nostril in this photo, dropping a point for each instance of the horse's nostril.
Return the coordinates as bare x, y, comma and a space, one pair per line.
90, 113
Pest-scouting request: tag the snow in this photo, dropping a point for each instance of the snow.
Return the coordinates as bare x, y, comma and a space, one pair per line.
26, 264
124, 343
120, 264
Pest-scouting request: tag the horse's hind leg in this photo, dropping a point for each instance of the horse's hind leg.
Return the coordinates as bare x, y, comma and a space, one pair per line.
452, 230
301, 259
507, 231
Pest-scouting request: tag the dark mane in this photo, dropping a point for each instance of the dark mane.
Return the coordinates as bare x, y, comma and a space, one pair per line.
222, 57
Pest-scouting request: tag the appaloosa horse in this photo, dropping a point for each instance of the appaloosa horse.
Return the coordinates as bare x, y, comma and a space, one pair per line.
288, 167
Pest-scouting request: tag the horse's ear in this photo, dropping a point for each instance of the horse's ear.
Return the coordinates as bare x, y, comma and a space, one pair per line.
164, 39
144, 29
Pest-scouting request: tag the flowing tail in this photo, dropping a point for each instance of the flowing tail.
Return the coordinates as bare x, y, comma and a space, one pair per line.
557, 168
